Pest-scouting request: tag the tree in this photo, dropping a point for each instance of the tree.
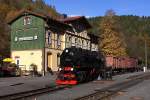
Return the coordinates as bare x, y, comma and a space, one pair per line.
4, 36
39, 4
111, 39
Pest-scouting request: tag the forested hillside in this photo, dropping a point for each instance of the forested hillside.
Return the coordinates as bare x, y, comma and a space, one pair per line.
9, 8
136, 31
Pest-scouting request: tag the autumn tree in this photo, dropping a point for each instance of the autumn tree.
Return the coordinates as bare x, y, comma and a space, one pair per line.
40, 6
4, 35
111, 38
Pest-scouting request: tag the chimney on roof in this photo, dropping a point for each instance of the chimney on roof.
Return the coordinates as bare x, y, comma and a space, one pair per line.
63, 16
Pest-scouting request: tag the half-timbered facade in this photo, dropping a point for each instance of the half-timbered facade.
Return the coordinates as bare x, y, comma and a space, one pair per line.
78, 35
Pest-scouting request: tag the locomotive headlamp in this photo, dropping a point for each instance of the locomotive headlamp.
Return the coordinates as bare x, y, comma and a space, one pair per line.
71, 69
60, 69
66, 50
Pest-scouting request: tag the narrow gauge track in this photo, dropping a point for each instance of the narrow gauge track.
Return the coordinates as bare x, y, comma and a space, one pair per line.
21, 95
18, 96
102, 93
108, 92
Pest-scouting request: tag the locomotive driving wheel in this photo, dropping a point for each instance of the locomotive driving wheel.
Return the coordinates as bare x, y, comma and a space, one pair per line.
80, 76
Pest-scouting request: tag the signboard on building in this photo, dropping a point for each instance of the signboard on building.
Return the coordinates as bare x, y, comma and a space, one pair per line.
29, 38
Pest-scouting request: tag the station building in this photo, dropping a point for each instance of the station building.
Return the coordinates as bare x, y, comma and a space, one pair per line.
39, 39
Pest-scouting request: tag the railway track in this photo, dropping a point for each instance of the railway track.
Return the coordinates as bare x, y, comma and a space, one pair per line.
108, 92
18, 96
47, 89
98, 95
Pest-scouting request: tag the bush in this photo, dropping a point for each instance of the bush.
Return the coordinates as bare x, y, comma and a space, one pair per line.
34, 67
13, 65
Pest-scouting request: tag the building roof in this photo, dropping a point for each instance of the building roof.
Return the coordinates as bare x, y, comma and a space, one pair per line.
43, 16
61, 23
80, 19
69, 19
24, 12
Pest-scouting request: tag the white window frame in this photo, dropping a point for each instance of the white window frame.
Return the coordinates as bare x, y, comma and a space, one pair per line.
27, 20
49, 38
58, 40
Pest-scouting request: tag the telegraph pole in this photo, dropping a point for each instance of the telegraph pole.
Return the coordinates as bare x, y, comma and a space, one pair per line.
145, 54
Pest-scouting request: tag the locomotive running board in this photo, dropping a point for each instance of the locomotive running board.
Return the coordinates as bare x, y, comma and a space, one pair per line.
66, 82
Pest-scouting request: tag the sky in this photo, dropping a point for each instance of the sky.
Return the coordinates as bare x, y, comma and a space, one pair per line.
94, 8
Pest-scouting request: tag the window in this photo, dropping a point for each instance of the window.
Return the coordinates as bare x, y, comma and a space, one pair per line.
82, 44
70, 41
79, 43
88, 47
17, 62
93, 47
49, 40
76, 42
58, 41
58, 60
27, 20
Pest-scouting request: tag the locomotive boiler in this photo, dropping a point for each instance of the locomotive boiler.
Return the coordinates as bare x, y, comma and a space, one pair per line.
79, 65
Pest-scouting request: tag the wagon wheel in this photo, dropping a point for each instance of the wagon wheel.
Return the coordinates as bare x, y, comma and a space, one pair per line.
80, 76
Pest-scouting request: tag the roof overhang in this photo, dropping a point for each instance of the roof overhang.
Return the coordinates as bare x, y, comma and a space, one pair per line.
25, 12
80, 19
50, 21
57, 24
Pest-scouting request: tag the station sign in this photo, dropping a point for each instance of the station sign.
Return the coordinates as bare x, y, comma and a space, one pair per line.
29, 38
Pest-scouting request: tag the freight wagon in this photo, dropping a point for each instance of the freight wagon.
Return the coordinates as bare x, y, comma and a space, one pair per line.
122, 64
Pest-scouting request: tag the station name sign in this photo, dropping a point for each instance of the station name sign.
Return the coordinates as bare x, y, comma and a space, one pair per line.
29, 38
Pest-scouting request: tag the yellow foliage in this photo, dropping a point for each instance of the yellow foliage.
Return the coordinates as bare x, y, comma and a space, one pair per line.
111, 40
4, 9
11, 15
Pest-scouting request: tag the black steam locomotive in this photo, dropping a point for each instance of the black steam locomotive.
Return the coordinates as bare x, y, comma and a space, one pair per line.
79, 65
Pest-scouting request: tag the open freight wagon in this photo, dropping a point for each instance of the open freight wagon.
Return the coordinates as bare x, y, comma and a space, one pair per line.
122, 64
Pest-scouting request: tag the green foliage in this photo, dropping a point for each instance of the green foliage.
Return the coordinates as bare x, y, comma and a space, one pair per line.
13, 65
33, 67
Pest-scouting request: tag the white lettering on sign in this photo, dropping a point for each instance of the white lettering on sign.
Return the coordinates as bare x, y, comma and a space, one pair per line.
16, 39
35, 37
26, 38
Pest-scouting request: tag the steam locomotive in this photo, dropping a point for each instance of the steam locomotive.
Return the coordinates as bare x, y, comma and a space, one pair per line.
79, 65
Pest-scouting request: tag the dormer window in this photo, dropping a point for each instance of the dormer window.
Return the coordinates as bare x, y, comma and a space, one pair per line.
27, 20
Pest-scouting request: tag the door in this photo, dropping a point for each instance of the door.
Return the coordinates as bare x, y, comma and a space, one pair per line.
49, 61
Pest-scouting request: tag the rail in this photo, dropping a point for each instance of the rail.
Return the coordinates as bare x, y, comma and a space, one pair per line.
108, 92
18, 96
98, 95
